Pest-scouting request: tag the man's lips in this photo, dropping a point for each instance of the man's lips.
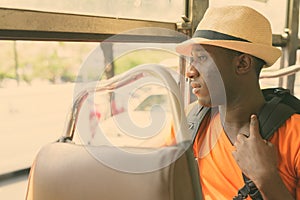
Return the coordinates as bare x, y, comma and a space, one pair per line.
196, 90
196, 87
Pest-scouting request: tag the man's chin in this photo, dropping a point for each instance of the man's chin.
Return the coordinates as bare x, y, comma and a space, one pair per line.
204, 102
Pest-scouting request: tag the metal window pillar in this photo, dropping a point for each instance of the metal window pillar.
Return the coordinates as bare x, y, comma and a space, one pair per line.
194, 12
290, 50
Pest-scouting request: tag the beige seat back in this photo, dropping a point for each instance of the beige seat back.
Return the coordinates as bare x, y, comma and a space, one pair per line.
65, 171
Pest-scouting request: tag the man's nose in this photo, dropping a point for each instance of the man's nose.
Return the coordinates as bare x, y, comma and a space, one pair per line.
192, 72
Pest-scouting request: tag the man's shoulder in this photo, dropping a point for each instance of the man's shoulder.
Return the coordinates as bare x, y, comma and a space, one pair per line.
291, 126
190, 107
294, 120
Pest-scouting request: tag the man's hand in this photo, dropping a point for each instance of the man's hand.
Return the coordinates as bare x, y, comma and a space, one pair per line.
255, 156
258, 160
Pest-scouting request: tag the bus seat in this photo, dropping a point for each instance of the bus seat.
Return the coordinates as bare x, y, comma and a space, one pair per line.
66, 171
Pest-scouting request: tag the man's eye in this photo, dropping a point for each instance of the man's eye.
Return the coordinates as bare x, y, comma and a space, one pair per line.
200, 58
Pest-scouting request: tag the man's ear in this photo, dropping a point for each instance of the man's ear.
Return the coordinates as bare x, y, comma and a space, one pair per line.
244, 63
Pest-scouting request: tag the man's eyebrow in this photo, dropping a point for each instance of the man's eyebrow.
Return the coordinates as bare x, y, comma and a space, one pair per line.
197, 51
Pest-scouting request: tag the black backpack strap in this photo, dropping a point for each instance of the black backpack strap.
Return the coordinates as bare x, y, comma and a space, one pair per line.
248, 189
195, 117
275, 112
273, 115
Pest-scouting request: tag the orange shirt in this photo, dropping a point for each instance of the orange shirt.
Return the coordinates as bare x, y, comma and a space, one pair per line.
221, 177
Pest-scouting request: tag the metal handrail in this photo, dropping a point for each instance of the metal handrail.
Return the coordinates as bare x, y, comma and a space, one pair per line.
280, 72
177, 107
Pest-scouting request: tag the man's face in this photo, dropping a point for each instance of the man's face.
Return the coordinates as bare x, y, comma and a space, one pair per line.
207, 81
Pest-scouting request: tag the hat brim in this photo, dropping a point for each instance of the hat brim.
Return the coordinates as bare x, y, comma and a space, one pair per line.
269, 54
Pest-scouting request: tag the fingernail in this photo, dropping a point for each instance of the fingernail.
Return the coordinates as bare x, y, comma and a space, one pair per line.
253, 120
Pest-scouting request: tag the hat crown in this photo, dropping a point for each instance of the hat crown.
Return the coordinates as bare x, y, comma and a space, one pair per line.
236, 21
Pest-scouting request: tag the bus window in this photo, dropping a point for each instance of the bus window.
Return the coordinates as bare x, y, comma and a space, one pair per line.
36, 88
268, 8
133, 9
38, 83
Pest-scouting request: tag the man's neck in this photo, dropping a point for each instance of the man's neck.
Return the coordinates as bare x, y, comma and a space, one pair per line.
235, 116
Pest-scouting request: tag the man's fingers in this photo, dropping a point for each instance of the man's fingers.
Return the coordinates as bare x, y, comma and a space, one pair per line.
241, 137
270, 144
254, 126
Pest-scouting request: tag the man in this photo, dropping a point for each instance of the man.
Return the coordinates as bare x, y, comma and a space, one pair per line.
228, 50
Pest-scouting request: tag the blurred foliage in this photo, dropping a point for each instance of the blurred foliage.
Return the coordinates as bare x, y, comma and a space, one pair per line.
142, 56
56, 62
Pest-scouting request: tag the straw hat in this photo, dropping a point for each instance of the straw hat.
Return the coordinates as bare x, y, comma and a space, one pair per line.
238, 28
